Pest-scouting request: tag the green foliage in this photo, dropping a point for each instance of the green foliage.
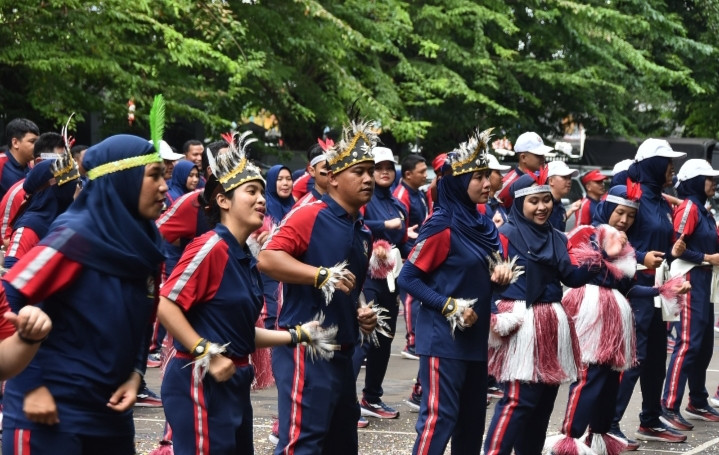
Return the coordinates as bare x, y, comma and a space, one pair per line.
428, 70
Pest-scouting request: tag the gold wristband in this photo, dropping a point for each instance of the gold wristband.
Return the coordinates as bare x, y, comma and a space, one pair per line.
449, 308
321, 277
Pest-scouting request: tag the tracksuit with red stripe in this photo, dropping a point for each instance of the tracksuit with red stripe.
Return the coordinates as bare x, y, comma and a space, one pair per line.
317, 400
76, 299
695, 334
10, 172
586, 211
452, 369
207, 416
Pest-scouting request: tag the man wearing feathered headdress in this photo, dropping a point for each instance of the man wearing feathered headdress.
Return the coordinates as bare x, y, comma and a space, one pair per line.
320, 248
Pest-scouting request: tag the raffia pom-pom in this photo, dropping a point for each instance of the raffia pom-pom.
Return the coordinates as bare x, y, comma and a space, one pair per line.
496, 260
673, 302
509, 318
336, 273
623, 264
382, 262
586, 256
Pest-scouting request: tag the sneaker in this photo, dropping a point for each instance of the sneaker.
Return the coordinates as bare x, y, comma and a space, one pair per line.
154, 360
362, 422
707, 414
414, 401
714, 400
408, 353
660, 434
494, 392
379, 410
146, 398
274, 436
631, 444
674, 419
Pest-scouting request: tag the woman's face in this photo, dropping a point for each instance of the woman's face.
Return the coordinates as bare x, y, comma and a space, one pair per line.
284, 183
537, 207
669, 174
152, 192
247, 206
710, 187
478, 188
193, 179
622, 217
384, 174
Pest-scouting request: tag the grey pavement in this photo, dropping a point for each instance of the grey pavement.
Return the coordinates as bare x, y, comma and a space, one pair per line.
397, 436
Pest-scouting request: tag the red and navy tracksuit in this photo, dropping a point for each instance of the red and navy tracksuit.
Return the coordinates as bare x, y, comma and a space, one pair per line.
504, 195
695, 331
207, 416
79, 363
558, 217
9, 207
586, 211
652, 230
417, 208
317, 401
10, 172
383, 206
452, 369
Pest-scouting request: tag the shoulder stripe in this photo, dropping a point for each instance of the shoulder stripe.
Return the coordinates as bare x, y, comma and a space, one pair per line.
40, 261
173, 208
15, 242
288, 216
6, 212
415, 252
194, 264
685, 216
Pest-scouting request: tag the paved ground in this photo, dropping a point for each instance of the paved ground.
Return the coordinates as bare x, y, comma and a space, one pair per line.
397, 436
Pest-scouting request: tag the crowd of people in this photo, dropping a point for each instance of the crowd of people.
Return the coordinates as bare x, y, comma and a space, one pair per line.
127, 255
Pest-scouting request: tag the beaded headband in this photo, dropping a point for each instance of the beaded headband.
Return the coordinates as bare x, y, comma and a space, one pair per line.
621, 201
232, 168
532, 190
471, 156
358, 140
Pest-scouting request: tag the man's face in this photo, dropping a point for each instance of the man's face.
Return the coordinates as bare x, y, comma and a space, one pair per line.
560, 185
25, 147
194, 154
354, 186
416, 177
531, 162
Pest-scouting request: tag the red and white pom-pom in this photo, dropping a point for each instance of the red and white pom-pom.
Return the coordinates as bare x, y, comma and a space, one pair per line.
509, 317
585, 255
565, 445
673, 302
382, 262
623, 264
606, 444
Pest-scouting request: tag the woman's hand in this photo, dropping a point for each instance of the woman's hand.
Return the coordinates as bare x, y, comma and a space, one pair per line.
501, 275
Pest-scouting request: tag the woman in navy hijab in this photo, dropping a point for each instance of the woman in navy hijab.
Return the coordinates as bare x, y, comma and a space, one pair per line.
279, 192
538, 348
449, 270
185, 177
96, 274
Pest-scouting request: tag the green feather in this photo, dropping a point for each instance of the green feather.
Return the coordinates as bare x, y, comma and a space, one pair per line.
157, 121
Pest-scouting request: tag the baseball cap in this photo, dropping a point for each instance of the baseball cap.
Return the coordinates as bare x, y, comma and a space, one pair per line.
656, 147
594, 175
561, 169
694, 168
383, 154
438, 162
532, 143
494, 164
166, 152
622, 166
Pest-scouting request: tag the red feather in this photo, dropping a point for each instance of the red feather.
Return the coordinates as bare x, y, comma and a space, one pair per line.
634, 190
541, 179
228, 137
326, 144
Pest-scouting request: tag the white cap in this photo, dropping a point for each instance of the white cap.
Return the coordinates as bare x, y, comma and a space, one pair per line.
166, 152
494, 164
560, 168
656, 147
694, 168
532, 143
622, 166
383, 154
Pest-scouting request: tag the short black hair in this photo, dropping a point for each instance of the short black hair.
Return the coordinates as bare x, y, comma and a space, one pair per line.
410, 162
315, 150
47, 143
78, 149
186, 146
18, 128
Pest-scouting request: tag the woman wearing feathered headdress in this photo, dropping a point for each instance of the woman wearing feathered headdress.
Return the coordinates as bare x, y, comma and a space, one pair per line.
449, 270
533, 345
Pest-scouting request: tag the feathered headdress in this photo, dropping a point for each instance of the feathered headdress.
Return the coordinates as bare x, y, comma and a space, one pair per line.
326, 144
540, 177
232, 168
634, 193
157, 128
471, 156
64, 168
358, 140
